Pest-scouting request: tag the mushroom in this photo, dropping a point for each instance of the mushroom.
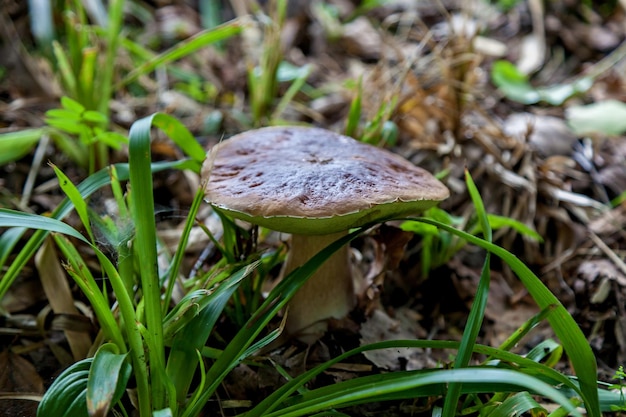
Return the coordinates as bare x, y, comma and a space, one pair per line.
315, 185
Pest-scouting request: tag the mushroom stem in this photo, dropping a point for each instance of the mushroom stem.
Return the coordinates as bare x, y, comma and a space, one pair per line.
328, 293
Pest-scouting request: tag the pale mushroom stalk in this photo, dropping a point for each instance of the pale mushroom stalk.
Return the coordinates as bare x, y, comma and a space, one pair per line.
328, 293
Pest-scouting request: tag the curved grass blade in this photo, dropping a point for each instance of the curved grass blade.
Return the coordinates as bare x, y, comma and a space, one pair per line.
47, 224
145, 244
578, 350
185, 48
86, 188
521, 363
14, 145
238, 349
411, 384
182, 361
477, 312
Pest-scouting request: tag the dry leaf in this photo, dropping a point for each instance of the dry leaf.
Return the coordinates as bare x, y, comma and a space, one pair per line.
380, 327
17, 375
54, 281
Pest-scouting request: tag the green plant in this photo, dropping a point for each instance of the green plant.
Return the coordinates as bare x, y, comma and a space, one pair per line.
266, 76
620, 375
89, 126
85, 59
87, 74
378, 130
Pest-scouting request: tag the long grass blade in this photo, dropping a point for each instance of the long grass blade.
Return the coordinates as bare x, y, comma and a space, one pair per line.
145, 244
89, 186
412, 384
182, 361
145, 249
185, 48
578, 350
78, 270
477, 312
237, 349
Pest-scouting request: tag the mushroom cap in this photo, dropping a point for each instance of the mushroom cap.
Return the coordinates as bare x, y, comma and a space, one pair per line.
313, 181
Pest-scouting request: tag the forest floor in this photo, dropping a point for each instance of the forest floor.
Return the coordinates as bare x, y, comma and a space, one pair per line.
545, 145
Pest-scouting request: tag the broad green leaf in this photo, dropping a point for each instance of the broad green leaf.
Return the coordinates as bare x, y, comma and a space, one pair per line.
108, 376
111, 139
95, 117
513, 83
66, 396
14, 145
68, 125
63, 114
516, 86
72, 105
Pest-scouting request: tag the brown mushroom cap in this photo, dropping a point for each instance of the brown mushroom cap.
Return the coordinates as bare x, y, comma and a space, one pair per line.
313, 181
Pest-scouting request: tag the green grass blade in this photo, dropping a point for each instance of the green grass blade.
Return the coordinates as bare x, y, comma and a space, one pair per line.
176, 131
114, 29
280, 395
302, 75
145, 244
578, 350
8, 241
477, 312
145, 248
72, 192
86, 88
237, 349
185, 48
174, 267
182, 361
79, 271
89, 186
516, 405
13, 218
354, 115
65, 68
410, 384
523, 330
14, 145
